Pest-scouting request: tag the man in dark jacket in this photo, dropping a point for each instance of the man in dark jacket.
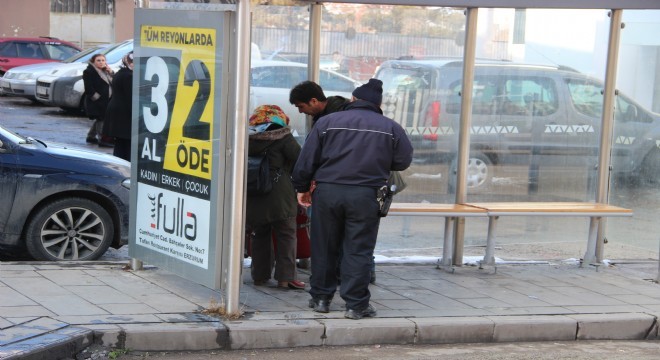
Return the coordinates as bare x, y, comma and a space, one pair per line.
309, 98
350, 155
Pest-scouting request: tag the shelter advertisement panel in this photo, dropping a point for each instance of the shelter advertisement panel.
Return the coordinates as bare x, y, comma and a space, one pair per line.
177, 92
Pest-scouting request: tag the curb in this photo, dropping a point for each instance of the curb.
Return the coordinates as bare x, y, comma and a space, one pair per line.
58, 344
61, 340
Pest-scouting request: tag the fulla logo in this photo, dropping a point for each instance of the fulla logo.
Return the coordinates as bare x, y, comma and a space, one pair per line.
174, 219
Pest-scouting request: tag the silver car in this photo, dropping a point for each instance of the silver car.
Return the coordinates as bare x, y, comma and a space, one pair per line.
271, 83
22, 80
63, 86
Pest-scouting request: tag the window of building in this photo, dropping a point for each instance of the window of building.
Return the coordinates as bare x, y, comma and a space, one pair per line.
96, 7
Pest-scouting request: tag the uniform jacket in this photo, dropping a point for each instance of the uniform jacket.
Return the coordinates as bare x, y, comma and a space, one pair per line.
357, 146
118, 115
95, 106
280, 203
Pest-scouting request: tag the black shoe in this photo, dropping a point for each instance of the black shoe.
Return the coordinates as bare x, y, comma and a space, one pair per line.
105, 144
92, 140
320, 305
373, 277
352, 314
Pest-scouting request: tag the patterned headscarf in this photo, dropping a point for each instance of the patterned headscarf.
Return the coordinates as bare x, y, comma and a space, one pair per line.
269, 114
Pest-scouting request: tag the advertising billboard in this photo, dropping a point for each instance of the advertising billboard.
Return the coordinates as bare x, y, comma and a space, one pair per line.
178, 143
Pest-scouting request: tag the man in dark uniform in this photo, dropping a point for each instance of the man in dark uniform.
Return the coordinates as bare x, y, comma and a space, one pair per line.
309, 98
350, 155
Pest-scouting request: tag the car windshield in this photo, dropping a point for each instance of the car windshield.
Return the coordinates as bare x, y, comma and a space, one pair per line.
84, 55
113, 55
404, 78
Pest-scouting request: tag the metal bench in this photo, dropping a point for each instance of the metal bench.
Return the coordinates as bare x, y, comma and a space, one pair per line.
449, 211
595, 211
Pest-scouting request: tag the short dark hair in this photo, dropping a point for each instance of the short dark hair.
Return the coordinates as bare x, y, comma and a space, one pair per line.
305, 92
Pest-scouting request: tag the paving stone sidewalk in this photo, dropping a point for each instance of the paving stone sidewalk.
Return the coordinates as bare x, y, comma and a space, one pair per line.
58, 309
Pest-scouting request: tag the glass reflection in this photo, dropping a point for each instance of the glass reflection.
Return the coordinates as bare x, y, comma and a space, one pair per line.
536, 112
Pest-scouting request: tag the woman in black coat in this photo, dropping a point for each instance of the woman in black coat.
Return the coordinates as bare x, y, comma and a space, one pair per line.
118, 116
97, 79
275, 212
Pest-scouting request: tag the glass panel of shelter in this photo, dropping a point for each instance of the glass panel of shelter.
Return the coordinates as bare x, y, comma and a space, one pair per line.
533, 136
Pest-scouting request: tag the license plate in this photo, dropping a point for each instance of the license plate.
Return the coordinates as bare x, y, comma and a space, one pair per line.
42, 91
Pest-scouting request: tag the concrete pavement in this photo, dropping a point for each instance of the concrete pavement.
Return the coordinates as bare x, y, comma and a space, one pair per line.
54, 310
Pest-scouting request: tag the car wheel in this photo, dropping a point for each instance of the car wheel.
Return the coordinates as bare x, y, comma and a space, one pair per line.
650, 172
69, 229
479, 173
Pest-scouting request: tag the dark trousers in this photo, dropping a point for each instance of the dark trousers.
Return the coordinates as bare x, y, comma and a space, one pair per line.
344, 217
264, 256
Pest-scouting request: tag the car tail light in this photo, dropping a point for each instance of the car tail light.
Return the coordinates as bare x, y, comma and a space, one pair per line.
432, 119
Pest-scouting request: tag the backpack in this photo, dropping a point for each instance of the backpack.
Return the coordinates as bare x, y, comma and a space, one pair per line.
259, 179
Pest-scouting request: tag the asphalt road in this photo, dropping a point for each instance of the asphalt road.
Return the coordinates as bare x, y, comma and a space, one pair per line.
576, 350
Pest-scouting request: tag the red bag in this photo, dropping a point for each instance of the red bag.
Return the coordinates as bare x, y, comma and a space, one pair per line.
304, 246
302, 234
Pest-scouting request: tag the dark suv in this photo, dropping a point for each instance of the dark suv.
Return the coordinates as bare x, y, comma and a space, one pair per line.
16, 51
521, 114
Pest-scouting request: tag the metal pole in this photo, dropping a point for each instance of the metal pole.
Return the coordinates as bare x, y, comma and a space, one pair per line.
82, 45
657, 280
314, 56
314, 50
239, 158
607, 126
466, 123
136, 264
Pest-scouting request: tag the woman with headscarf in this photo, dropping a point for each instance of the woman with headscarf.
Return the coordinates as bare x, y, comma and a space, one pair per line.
274, 213
118, 115
97, 78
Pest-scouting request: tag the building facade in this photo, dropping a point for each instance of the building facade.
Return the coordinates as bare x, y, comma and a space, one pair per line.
84, 22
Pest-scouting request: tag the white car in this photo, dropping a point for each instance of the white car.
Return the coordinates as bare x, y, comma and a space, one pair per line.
63, 85
272, 81
22, 80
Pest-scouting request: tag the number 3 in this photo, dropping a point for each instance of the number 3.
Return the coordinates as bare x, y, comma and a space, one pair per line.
156, 66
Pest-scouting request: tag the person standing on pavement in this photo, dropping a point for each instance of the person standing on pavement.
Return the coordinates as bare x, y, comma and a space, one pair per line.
274, 212
350, 155
118, 115
97, 78
309, 98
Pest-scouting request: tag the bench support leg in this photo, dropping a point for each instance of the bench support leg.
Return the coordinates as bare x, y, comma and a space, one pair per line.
489, 258
590, 254
447, 247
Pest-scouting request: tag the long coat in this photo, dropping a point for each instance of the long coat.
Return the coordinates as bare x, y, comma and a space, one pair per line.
118, 114
281, 202
95, 106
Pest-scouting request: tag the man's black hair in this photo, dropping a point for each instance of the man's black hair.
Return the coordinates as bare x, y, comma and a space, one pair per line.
305, 92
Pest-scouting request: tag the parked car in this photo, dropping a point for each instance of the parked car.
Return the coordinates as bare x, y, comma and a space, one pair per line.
59, 202
16, 51
63, 85
22, 80
521, 114
271, 83
326, 61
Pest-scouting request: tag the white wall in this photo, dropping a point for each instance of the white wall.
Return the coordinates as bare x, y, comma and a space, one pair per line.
97, 29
